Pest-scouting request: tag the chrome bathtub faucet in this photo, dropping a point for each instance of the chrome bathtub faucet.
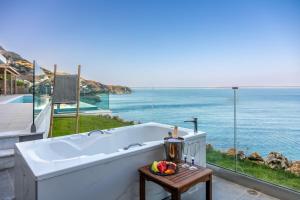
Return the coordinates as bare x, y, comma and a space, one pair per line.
195, 122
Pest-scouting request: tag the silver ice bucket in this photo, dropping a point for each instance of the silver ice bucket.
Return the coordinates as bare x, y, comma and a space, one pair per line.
173, 149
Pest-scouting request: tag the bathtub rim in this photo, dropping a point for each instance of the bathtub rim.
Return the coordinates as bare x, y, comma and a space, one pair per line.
83, 163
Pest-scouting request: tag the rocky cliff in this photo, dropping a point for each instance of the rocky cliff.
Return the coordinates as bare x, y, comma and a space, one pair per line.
25, 68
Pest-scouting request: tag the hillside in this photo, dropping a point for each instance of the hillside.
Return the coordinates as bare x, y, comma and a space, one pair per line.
25, 68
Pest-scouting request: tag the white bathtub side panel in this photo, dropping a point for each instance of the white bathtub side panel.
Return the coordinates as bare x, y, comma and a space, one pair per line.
118, 179
201, 154
24, 181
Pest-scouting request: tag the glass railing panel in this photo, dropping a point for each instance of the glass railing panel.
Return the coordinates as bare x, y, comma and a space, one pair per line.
212, 107
268, 135
89, 103
216, 119
267, 121
167, 105
42, 89
94, 101
136, 106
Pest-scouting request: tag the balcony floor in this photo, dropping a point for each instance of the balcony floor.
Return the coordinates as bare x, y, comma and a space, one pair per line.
222, 190
226, 190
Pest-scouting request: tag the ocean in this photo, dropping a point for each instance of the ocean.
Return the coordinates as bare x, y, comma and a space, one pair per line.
268, 119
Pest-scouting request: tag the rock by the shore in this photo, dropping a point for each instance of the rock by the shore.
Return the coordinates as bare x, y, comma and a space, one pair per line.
294, 168
241, 155
256, 158
276, 160
231, 152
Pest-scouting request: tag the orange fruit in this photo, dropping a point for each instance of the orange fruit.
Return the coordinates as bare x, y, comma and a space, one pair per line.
169, 171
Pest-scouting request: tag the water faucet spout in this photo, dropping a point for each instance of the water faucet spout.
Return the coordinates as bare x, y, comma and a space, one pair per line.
195, 122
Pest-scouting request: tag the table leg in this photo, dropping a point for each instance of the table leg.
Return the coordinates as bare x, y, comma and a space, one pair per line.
209, 189
176, 195
142, 187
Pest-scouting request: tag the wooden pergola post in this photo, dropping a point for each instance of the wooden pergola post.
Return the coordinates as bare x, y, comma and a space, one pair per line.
16, 88
8, 87
4, 79
11, 84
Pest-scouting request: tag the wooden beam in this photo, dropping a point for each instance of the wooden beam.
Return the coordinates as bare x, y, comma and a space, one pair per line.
78, 99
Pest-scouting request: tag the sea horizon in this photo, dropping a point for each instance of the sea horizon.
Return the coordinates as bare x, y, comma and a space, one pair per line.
212, 87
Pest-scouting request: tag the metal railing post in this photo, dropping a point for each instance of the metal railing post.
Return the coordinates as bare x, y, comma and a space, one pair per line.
33, 127
234, 124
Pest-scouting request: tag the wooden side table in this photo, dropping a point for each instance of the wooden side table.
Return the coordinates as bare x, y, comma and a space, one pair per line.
178, 183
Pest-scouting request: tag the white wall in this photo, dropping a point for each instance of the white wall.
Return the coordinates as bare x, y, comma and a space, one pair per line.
2, 59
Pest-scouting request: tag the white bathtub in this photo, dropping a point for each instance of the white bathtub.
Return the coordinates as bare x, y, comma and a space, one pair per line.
94, 167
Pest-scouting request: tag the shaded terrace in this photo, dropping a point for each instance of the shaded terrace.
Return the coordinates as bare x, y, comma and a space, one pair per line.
8, 79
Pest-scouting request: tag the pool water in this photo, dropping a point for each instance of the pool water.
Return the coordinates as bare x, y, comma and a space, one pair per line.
71, 108
40, 104
22, 99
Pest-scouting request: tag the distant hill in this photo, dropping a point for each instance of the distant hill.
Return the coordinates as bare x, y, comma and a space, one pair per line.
25, 68
94, 87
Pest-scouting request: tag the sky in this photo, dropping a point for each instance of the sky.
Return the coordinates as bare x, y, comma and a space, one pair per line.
160, 43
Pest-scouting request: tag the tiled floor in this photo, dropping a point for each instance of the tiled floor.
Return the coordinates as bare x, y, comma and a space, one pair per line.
222, 190
6, 185
226, 190
14, 116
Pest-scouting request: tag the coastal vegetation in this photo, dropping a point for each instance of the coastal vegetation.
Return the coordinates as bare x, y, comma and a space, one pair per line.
66, 125
255, 168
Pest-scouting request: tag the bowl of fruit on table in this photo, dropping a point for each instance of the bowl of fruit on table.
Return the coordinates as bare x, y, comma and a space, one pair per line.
163, 168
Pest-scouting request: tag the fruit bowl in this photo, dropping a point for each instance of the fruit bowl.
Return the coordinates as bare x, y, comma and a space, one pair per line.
163, 168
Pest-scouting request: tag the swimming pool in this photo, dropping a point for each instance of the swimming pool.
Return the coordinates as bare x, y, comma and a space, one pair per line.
23, 99
41, 102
